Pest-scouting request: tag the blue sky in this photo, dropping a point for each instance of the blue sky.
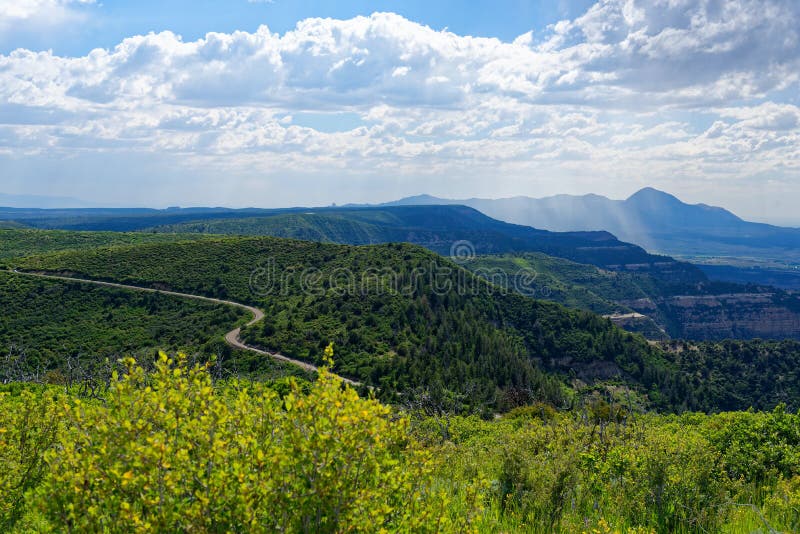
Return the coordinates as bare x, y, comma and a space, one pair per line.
113, 20
306, 103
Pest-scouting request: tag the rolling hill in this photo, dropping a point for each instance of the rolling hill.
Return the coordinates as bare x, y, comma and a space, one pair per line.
403, 318
19, 242
435, 227
655, 295
47, 324
439, 228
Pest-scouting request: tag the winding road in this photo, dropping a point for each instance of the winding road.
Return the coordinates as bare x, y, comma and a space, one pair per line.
231, 338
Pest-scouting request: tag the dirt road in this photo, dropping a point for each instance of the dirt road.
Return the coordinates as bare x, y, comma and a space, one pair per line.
232, 337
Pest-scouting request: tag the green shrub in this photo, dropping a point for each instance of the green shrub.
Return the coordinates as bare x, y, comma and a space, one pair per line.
168, 451
29, 421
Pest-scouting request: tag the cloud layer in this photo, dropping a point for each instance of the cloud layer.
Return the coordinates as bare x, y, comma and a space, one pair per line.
680, 93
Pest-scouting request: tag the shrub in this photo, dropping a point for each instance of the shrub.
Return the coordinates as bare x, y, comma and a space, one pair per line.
28, 427
169, 451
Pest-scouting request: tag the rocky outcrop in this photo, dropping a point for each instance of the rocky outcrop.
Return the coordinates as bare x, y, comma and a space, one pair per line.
729, 316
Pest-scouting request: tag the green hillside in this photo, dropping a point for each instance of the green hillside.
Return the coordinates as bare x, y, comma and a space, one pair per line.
393, 329
573, 284
731, 374
437, 228
325, 227
26, 242
45, 322
712, 311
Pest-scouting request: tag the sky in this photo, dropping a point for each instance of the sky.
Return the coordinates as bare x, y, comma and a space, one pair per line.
284, 103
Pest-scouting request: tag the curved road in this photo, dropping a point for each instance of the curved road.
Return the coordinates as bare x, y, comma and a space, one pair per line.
231, 338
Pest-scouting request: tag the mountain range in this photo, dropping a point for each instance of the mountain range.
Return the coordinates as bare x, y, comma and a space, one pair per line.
725, 246
652, 219
435, 227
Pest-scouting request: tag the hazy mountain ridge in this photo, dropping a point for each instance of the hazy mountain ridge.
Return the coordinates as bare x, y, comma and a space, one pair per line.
42, 202
437, 228
652, 219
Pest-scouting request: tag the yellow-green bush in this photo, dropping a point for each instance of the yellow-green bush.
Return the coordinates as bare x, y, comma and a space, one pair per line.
28, 427
168, 451
783, 505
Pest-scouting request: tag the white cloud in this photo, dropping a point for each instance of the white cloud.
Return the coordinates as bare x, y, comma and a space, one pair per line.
611, 94
29, 9
21, 15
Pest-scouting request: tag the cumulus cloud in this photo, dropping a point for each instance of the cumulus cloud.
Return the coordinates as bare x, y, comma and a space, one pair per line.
620, 87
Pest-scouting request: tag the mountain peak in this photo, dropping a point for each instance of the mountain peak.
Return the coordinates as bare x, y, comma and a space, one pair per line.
651, 194
418, 200
422, 198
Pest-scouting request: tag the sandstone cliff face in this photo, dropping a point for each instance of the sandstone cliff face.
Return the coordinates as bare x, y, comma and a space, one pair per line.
730, 316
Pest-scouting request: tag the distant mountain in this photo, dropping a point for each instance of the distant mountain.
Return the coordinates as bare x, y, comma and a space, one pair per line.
437, 228
655, 220
44, 202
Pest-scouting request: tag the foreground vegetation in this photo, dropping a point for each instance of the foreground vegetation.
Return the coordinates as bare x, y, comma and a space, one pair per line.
172, 451
168, 451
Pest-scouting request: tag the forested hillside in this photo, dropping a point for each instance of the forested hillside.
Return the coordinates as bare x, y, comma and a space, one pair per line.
403, 318
731, 374
46, 324
649, 304
575, 285
655, 295
400, 316
27, 242
437, 228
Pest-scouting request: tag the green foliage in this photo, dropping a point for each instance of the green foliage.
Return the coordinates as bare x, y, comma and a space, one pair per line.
45, 322
16, 243
572, 284
759, 447
735, 375
169, 451
394, 329
29, 421
568, 471
784, 503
